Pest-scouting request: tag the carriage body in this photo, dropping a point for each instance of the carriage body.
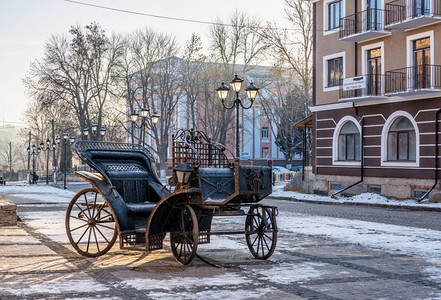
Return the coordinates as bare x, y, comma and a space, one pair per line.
128, 197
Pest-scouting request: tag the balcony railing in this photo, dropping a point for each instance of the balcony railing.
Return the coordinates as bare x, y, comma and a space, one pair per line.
363, 25
373, 89
405, 14
412, 79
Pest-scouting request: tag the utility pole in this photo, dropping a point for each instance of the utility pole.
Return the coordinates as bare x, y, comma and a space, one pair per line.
53, 152
29, 156
10, 157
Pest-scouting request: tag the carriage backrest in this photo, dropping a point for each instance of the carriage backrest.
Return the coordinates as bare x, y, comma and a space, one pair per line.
195, 148
129, 169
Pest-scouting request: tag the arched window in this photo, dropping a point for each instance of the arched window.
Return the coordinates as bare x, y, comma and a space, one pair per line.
401, 141
349, 143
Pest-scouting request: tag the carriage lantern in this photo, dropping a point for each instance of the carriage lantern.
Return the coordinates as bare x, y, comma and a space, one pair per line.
183, 172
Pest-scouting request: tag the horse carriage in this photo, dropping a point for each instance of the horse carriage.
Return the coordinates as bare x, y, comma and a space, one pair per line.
128, 201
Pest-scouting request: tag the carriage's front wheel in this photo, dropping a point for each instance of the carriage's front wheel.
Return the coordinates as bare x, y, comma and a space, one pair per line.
90, 225
261, 231
184, 234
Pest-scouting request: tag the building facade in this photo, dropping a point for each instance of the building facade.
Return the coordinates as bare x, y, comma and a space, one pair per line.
377, 96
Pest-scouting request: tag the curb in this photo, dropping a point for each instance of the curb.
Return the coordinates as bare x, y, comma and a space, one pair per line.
408, 207
8, 212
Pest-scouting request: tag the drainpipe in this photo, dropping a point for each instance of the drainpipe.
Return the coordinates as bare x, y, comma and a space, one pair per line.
436, 156
361, 154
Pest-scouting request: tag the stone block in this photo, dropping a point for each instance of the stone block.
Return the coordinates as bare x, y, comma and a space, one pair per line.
8, 212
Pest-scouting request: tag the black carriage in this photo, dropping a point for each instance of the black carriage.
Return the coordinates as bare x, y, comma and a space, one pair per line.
128, 201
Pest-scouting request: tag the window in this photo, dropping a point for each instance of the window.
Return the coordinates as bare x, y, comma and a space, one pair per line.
401, 141
335, 71
265, 152
421, 63
335, 12
265, 133
349, 143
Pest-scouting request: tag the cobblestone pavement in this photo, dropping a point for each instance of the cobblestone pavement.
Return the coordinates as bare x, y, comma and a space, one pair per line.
37, 262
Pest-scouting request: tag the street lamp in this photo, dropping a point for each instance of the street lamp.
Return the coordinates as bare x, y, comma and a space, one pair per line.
65, 142
34, 152
48, 148
144, 114
236, 85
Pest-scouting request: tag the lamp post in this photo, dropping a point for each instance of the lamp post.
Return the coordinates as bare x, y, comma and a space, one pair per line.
66, 139
154, 118
48, 148
34, 152
94, 131
236, 85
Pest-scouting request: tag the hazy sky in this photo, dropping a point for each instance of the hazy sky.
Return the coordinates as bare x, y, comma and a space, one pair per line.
26, 25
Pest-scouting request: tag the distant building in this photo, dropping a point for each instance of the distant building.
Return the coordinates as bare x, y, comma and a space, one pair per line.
257, 132
377, 96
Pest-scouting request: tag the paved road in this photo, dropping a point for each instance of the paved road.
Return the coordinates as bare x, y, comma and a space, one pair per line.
323, 252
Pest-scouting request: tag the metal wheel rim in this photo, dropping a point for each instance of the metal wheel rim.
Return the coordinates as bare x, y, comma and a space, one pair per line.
261, 232
184, 234
91, 228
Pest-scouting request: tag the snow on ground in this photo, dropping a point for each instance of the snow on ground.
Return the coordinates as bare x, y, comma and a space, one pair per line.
41, 193
362, 198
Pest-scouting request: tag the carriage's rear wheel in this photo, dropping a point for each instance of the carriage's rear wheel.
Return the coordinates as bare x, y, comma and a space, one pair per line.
184, 234
261, 231
90, 225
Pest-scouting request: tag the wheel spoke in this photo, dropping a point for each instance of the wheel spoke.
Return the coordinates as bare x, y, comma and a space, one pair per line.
99, 231
78, 227
96, 239
82, 236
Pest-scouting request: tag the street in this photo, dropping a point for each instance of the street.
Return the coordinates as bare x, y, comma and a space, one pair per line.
323, 252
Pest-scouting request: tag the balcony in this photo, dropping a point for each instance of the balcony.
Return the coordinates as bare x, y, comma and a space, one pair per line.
363, 26
414, 80
370, 87
406, 14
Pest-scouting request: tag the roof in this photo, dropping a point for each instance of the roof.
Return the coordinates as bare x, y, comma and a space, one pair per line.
306, 122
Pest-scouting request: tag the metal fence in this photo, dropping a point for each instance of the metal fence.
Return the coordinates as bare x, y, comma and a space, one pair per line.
370, 19
418, 77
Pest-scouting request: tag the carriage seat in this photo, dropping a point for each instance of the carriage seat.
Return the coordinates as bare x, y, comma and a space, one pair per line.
144, 208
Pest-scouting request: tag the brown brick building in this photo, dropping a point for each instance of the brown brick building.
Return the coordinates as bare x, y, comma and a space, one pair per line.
377, 96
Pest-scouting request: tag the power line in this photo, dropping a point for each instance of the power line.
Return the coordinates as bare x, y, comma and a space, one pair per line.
169, 18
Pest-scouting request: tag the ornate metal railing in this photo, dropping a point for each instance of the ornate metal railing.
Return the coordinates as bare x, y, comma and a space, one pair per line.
413, 78
367, 20
400, 10
194, 147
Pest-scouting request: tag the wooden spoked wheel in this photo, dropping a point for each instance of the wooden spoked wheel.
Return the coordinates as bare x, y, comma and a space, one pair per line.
90, 225
184, 234
261, 231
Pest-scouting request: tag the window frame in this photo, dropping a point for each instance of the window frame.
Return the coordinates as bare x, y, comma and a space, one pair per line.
335, 143
326, 4
384, 142
326, 59
262, 151
264, 129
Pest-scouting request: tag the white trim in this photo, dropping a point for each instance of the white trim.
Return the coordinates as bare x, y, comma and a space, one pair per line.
337, 130
332, 106
384, 134
364, 50
325, 70
325, 16
409, 46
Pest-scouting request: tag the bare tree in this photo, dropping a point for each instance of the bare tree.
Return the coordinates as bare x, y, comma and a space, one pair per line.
237, 48
292, 53
77, 72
